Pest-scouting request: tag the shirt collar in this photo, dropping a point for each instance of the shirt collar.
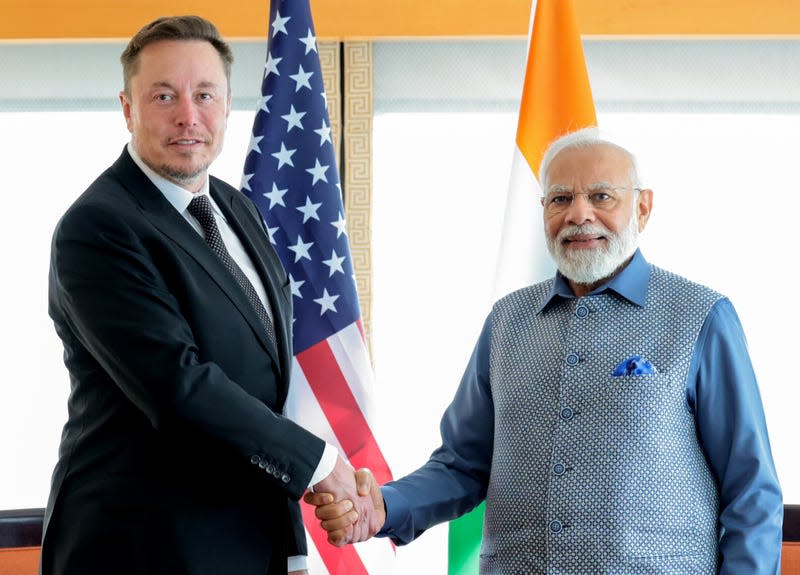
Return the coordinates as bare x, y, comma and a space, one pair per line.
630, 283
177, 196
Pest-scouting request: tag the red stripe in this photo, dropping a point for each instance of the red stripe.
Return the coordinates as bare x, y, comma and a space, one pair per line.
338, 560
336, 399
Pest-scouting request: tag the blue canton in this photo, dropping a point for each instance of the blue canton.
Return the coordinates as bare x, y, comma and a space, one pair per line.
291, 174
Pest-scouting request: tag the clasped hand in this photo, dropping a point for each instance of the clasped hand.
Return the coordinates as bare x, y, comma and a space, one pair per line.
348, 504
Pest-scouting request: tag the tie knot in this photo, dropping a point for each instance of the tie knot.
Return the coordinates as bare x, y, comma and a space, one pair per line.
200, 206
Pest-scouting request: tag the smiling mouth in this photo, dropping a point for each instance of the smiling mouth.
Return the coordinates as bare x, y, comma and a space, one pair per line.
582, 239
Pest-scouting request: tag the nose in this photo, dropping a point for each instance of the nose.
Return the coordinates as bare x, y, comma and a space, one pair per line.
186, 113
580, 210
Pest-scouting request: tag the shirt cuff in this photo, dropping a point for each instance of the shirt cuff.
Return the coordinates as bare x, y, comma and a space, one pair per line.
325, 466
297, 563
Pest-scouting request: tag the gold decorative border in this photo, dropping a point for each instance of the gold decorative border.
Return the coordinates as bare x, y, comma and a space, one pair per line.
350, 110
358, 168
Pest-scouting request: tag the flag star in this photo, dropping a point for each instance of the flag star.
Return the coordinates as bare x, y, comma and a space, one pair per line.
271, 233
335, 263
276, 196
279, 24
309, 210
324, 95
301, 78
284, 156
254, 141
326, 302
340, 225
324, 133
310, 41
300, 249
295, 285
318, 171
271, 67
293, 118
262, 103
246, 182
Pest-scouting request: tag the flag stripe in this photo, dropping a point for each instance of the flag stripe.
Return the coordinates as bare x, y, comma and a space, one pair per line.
349, 425
556, 95
350, 351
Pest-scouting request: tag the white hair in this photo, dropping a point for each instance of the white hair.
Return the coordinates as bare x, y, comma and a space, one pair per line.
583, 138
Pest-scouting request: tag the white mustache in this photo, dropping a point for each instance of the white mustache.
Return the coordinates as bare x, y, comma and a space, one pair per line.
585, 230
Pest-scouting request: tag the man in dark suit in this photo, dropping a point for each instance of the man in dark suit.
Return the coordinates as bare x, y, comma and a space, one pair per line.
176, 325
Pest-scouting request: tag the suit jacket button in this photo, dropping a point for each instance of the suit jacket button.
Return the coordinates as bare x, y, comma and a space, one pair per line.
255, 459
285, 478
262, 464
270, 468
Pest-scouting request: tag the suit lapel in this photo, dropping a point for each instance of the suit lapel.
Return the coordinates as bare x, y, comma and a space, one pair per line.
168, 221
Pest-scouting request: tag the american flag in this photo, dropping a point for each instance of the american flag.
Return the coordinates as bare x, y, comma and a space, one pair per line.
290, 173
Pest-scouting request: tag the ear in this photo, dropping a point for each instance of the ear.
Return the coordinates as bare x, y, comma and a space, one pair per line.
643, 206
126, 110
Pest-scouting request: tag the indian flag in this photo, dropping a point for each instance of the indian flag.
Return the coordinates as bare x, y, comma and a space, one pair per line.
556, 100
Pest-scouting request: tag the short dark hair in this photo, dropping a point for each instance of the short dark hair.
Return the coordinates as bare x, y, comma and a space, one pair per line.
174, 28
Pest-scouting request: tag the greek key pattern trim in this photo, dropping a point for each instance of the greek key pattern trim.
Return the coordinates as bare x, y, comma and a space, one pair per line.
358, 168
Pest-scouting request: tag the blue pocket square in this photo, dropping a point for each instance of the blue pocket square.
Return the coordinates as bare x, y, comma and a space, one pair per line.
634, 365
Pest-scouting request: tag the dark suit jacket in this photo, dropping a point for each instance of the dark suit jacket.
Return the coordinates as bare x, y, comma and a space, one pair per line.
175, 457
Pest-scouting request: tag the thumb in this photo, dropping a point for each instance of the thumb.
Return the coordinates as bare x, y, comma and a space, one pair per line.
364, 481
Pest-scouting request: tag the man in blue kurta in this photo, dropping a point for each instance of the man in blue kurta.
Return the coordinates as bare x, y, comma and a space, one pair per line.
610, 417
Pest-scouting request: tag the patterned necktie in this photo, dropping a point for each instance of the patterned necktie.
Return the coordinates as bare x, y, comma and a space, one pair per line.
200, 208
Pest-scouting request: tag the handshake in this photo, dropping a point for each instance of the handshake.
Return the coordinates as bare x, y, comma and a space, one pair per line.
348, 504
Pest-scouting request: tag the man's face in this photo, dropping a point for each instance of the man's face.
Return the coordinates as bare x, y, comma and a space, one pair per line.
177, 109
590, 242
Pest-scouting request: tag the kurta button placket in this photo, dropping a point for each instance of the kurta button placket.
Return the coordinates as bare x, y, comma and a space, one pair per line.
581, 311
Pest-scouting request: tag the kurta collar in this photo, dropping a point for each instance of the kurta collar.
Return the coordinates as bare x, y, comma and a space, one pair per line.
630, 283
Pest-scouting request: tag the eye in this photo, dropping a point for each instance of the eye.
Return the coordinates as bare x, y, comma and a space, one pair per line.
602, 196
559, 199
164, 97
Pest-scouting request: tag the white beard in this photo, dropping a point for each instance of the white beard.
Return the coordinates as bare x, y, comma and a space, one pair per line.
591, 266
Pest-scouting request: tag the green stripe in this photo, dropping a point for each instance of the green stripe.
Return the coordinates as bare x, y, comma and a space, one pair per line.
464, 543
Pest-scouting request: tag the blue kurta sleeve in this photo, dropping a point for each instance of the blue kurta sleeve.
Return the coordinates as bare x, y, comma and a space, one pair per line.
723, 392
455, 478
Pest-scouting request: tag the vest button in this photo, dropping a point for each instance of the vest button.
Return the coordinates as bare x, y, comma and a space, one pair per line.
581, 311
573, 359
567, 413
559, 469
555, 526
